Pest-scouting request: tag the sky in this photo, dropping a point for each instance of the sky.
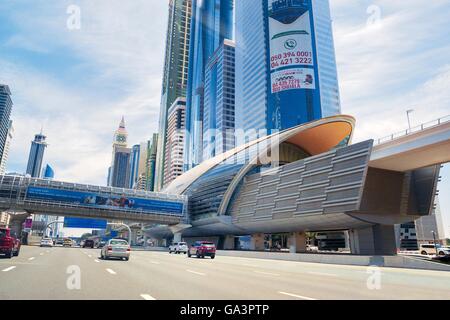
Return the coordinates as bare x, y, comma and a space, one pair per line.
76, 66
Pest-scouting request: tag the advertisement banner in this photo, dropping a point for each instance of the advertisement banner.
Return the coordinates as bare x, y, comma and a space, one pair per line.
104, 202
291, 45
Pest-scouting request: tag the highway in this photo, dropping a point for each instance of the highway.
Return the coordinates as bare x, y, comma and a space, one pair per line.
79, 274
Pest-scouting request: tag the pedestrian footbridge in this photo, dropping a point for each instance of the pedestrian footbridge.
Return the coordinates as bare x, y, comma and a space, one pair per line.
40, 196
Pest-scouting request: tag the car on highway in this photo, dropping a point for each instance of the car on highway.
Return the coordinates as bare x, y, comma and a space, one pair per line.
431, 249
67, 242
59, 242
202, 249
116, 248
101, 244
89, 244
179, 247
9, 243
46, 242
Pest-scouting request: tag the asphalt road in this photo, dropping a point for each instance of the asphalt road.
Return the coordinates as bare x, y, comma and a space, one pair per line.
75, 273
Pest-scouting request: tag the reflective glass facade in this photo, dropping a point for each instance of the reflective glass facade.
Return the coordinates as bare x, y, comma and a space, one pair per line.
286, 53
36, 156
5, 114
212, 23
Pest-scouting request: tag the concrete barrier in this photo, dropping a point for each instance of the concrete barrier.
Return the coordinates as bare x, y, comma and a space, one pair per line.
342, 259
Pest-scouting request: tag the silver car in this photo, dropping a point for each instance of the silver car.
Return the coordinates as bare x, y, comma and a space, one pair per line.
116, 248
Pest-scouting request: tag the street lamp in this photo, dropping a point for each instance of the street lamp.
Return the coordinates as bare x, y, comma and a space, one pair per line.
434, 242
409, 120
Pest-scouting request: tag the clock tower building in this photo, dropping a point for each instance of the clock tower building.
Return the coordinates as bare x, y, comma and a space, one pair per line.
119, 172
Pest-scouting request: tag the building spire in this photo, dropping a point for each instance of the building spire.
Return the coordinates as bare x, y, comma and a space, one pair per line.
122, 123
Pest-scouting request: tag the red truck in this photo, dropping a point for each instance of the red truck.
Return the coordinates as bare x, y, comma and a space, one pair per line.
9, 243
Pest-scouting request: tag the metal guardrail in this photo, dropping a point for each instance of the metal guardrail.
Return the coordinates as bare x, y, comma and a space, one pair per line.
407, 132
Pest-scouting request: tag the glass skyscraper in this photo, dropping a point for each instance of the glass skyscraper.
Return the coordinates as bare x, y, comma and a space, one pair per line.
175, 73
36, 156
285, 54
5, 114
134, 165
119, 172
219, 102
212, 23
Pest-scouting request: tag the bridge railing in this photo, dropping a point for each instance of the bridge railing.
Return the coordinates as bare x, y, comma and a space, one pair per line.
407, 132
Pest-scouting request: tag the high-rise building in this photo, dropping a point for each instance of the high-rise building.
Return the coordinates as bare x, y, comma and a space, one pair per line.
5, 156
176, 129
219, 102
286, 57
119, 172
212, 23
134, 165
36, 156
152, 150
175, 71
5, 114
48, 172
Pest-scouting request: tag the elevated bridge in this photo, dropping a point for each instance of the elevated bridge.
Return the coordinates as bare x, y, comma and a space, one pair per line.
40, 196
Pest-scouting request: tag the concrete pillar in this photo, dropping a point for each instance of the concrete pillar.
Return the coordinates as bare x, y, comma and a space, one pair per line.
257, 242
229, 243
375, 240
297, 242
177, 237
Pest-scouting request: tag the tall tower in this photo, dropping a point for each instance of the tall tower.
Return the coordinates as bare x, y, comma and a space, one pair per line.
5, 114
119, 172
212, 24
4, 159
175, 72
286, 51
36, 156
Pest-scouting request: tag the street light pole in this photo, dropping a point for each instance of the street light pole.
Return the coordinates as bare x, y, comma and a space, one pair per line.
409, 120
434, 242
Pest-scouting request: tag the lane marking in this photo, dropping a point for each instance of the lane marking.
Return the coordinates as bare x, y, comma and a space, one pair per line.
90, 256
249, 265
147, 297
32, 258
266, 273
155, 262
9, 269
111, 271
323, 274
48, 251
96, 260
41, 254
195, 272
296, 296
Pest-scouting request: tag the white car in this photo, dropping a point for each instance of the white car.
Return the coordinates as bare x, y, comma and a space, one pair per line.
431, 249
46, 242
178, 247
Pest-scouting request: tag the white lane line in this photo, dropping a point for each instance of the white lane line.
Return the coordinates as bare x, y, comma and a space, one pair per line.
41, 254
111, 271
323, 274
48, 251
9, 269
266, 273
96, 260
296, 296
147, 297
155, 262
250, 265
32, 258
90, 256
197, 273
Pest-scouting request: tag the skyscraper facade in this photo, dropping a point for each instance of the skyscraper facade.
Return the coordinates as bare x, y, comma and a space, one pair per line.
176, 129
36, 156
135, 159
219, 102
119, 172
212, 23
175, 71
286, 53
5, 114
5, 156
48, 172
152, 150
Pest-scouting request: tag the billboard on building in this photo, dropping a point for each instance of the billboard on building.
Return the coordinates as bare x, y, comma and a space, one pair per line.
103, 201
291, 45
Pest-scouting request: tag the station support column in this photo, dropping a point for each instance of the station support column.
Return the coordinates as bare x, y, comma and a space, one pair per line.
257, 242
297, 242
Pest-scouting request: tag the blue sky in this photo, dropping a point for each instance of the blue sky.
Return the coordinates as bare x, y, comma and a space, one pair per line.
391, 55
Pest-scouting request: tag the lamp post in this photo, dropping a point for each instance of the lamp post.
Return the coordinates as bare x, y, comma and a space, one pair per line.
408, 112
434, 242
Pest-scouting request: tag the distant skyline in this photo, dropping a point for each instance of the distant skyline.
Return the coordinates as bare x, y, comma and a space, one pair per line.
77, 83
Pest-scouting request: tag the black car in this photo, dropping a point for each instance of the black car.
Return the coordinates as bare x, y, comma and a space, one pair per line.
89, 244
